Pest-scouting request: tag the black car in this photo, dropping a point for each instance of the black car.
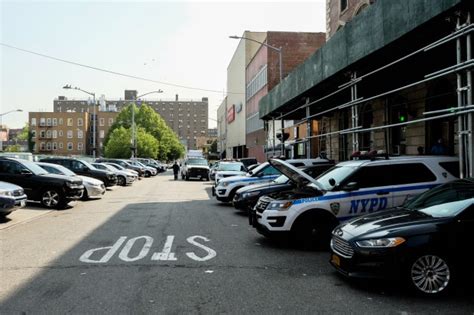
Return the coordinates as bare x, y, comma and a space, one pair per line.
84, 168
423, 242
53, 191
246, 197
123, 163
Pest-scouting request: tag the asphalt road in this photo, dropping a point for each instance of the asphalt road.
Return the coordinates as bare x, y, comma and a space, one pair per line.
165, 246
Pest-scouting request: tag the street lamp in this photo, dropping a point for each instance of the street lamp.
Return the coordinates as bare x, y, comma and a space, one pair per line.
69, 87
279, 50
1, 124
134, 140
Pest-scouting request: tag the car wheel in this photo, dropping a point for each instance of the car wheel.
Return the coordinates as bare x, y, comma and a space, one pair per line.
147, 174
121, 181
50, 198
430, 274
309, 231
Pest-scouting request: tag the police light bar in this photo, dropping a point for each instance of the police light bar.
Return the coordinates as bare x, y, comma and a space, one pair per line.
369, 155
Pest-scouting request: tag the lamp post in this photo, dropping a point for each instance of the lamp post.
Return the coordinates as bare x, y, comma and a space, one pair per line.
94, 122
134, 140
1, 124
280, 58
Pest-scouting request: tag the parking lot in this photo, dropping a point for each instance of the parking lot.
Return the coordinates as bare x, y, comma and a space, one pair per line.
165, 246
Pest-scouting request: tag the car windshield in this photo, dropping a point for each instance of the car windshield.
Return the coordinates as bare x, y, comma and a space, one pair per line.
197, 162
281, 180
58, 169
120, 167
230, 167
338, 173
88, 164
449, 209
113, 167
35, 169
258, 169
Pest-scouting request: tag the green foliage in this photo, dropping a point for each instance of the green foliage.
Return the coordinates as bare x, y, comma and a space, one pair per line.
118, 145
23, 136
148, 123
13, 148
213, 147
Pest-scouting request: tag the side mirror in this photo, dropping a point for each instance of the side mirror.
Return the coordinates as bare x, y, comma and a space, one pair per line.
350, 186
332, 182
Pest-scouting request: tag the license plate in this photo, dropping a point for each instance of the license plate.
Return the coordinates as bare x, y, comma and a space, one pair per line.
336, 260
23, 203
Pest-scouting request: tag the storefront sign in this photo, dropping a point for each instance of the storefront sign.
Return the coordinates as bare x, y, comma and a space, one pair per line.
231, 114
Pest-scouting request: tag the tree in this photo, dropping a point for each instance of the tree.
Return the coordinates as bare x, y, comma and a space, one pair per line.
147, 145
118, 145
26, 135
13, 148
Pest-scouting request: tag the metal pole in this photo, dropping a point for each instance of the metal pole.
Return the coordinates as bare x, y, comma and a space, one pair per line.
274, 136
282, 140
280, 52
470, 146
94, 128
133, 130
1, 133
460, 120
308, 131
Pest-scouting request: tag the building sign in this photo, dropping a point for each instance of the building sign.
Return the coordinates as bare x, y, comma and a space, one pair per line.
231, 114
239, 108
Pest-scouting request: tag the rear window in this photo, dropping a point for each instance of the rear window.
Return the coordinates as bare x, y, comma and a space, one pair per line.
451, 167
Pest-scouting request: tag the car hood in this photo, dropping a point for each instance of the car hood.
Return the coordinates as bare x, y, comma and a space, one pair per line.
230, 173
256, 187
234, 178
8, 186
296, 175
90, 180
385, 222
75, 180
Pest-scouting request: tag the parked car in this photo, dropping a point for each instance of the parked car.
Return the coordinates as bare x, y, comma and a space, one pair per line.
152, 163
12, 197
84, 168
264, 173
213, 169
195, 167
93, 188
349, 189
229, 169
248, 161
124, 163
121, 168
246, 197
124, 178
421, 242
53, 191
148, 171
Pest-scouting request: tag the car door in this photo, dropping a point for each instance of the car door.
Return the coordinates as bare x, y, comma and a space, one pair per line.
11, 171
368, 190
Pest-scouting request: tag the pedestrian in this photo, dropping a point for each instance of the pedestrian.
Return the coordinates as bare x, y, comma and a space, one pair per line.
175, 170
439, 148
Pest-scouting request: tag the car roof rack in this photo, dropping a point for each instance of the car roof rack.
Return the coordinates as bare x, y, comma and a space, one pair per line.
370, 155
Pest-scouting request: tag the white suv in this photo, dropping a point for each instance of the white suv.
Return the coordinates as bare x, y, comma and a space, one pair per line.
347, 190
264, 173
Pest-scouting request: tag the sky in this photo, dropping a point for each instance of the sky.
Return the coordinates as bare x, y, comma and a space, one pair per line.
170, 43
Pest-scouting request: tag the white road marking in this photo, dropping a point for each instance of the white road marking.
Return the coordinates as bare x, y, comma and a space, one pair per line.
128, 246
166, 254
111, 250
210, 252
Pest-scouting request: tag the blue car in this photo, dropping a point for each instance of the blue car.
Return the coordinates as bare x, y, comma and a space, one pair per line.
12, 197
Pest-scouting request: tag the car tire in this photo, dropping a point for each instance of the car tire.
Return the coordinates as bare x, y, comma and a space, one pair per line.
52, 199
85, 195
312, 231
121, 181
430, 274
147, 174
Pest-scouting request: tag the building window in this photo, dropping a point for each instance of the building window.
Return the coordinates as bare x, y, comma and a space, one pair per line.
60, 133
70, 146
60, 145
48, 134
42, 133
42, 121
343, 5
79, 134
33, 133
60, 121
48, 121
69, 134
79, 122
111, 121
33, 121
55, 121
55, 146
42, 146
55, 134
69, 122
48, 146
101, 122
101, 134
79, 146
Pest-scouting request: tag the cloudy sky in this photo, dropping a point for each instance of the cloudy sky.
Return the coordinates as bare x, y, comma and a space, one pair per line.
166, 44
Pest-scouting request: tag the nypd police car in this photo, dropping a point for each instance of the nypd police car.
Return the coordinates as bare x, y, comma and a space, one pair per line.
349, 189
264, 173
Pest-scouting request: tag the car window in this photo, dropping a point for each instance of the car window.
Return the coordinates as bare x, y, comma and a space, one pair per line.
9, 167
270, 170
77, 166
451, 167
371, 176
446, 193
411, 173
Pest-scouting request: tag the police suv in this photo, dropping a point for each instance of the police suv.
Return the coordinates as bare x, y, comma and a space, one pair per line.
350, 189
264, 173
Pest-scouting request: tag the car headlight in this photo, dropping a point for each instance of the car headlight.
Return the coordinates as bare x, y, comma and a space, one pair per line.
381, 242
223, 184
279, 205
6, 193
250, 194
73, 185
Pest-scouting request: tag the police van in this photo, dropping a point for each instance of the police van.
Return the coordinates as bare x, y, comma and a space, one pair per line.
347, 190
225, 190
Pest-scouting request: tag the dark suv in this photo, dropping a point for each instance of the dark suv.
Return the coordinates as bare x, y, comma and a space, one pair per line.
53, 191
84, 168
123, 163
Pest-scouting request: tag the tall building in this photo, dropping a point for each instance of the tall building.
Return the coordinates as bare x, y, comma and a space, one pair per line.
187, 118
340, 12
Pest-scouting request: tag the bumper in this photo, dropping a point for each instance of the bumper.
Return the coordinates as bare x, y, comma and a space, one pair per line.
199, 173
244, 204
95, 191
74, 193
222, 194
9, 204
109, 182
129, 180
255, 217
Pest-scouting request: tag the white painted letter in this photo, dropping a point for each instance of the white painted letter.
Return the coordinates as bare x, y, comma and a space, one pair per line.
210, 252
126, 249
166, 253
111, 251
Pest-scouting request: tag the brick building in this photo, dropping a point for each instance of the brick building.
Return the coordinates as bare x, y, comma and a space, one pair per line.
340, 12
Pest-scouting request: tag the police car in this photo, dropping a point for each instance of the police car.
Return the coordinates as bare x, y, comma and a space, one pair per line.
264, 173
349, 189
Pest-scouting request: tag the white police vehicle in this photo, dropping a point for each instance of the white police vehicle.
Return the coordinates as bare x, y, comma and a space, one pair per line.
347, 190
264, 173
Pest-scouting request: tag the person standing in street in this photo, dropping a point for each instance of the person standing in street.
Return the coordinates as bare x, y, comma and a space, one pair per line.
439, 148
175, 170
